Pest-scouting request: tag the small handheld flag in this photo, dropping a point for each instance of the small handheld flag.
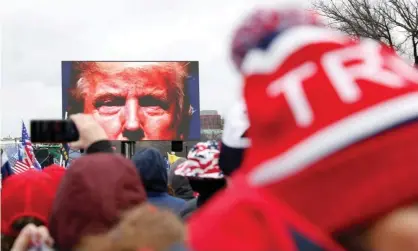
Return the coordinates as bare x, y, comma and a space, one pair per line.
30, 158
172, 158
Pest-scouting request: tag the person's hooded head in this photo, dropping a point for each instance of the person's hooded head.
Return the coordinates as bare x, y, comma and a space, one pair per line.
92, 195
152, 168
180, 184
202, 170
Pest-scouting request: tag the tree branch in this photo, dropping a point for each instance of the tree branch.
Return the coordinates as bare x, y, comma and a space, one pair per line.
379, 20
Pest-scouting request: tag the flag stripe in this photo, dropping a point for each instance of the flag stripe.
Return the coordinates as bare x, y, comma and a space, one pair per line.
20, 167
30, 158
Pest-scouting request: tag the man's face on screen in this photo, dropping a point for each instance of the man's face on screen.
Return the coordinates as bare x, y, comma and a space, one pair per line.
131, 101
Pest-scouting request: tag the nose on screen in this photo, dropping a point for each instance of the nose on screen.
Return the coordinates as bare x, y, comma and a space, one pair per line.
133, 134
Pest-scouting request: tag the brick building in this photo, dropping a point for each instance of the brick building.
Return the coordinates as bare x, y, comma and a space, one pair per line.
210, 120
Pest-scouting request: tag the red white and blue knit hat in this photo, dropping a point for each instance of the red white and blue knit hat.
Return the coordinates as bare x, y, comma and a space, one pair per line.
263, 25
334, 129
202, 162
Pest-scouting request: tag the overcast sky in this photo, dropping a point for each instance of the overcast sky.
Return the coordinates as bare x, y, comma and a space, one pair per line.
38, 34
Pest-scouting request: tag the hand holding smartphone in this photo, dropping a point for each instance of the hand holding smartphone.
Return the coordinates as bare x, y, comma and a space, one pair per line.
81, 130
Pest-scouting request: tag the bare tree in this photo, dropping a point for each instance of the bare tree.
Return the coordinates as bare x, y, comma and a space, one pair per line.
403, 14
393, 22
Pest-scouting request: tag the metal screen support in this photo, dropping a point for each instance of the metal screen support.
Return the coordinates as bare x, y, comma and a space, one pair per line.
128, 148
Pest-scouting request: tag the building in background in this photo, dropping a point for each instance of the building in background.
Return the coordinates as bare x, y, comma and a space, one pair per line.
210, 120
211, 125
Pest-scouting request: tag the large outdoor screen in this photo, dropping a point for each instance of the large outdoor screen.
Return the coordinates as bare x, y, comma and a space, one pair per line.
135, 101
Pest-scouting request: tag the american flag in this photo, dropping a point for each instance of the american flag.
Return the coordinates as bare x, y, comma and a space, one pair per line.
15, 159
30, 158
20, 167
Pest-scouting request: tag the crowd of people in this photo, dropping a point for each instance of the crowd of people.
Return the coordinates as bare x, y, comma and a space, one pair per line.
319, 155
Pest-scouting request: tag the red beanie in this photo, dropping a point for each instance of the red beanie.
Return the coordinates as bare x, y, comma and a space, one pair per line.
29, 194
333, 126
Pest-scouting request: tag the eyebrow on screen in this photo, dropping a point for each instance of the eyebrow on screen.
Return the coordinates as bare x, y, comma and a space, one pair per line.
116, 98
108, 94
152, 100
155, 92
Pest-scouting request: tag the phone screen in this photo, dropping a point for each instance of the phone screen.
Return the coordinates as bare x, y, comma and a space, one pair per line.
53, 131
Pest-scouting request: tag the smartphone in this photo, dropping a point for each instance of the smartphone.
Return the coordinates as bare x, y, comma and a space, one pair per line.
53, 131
